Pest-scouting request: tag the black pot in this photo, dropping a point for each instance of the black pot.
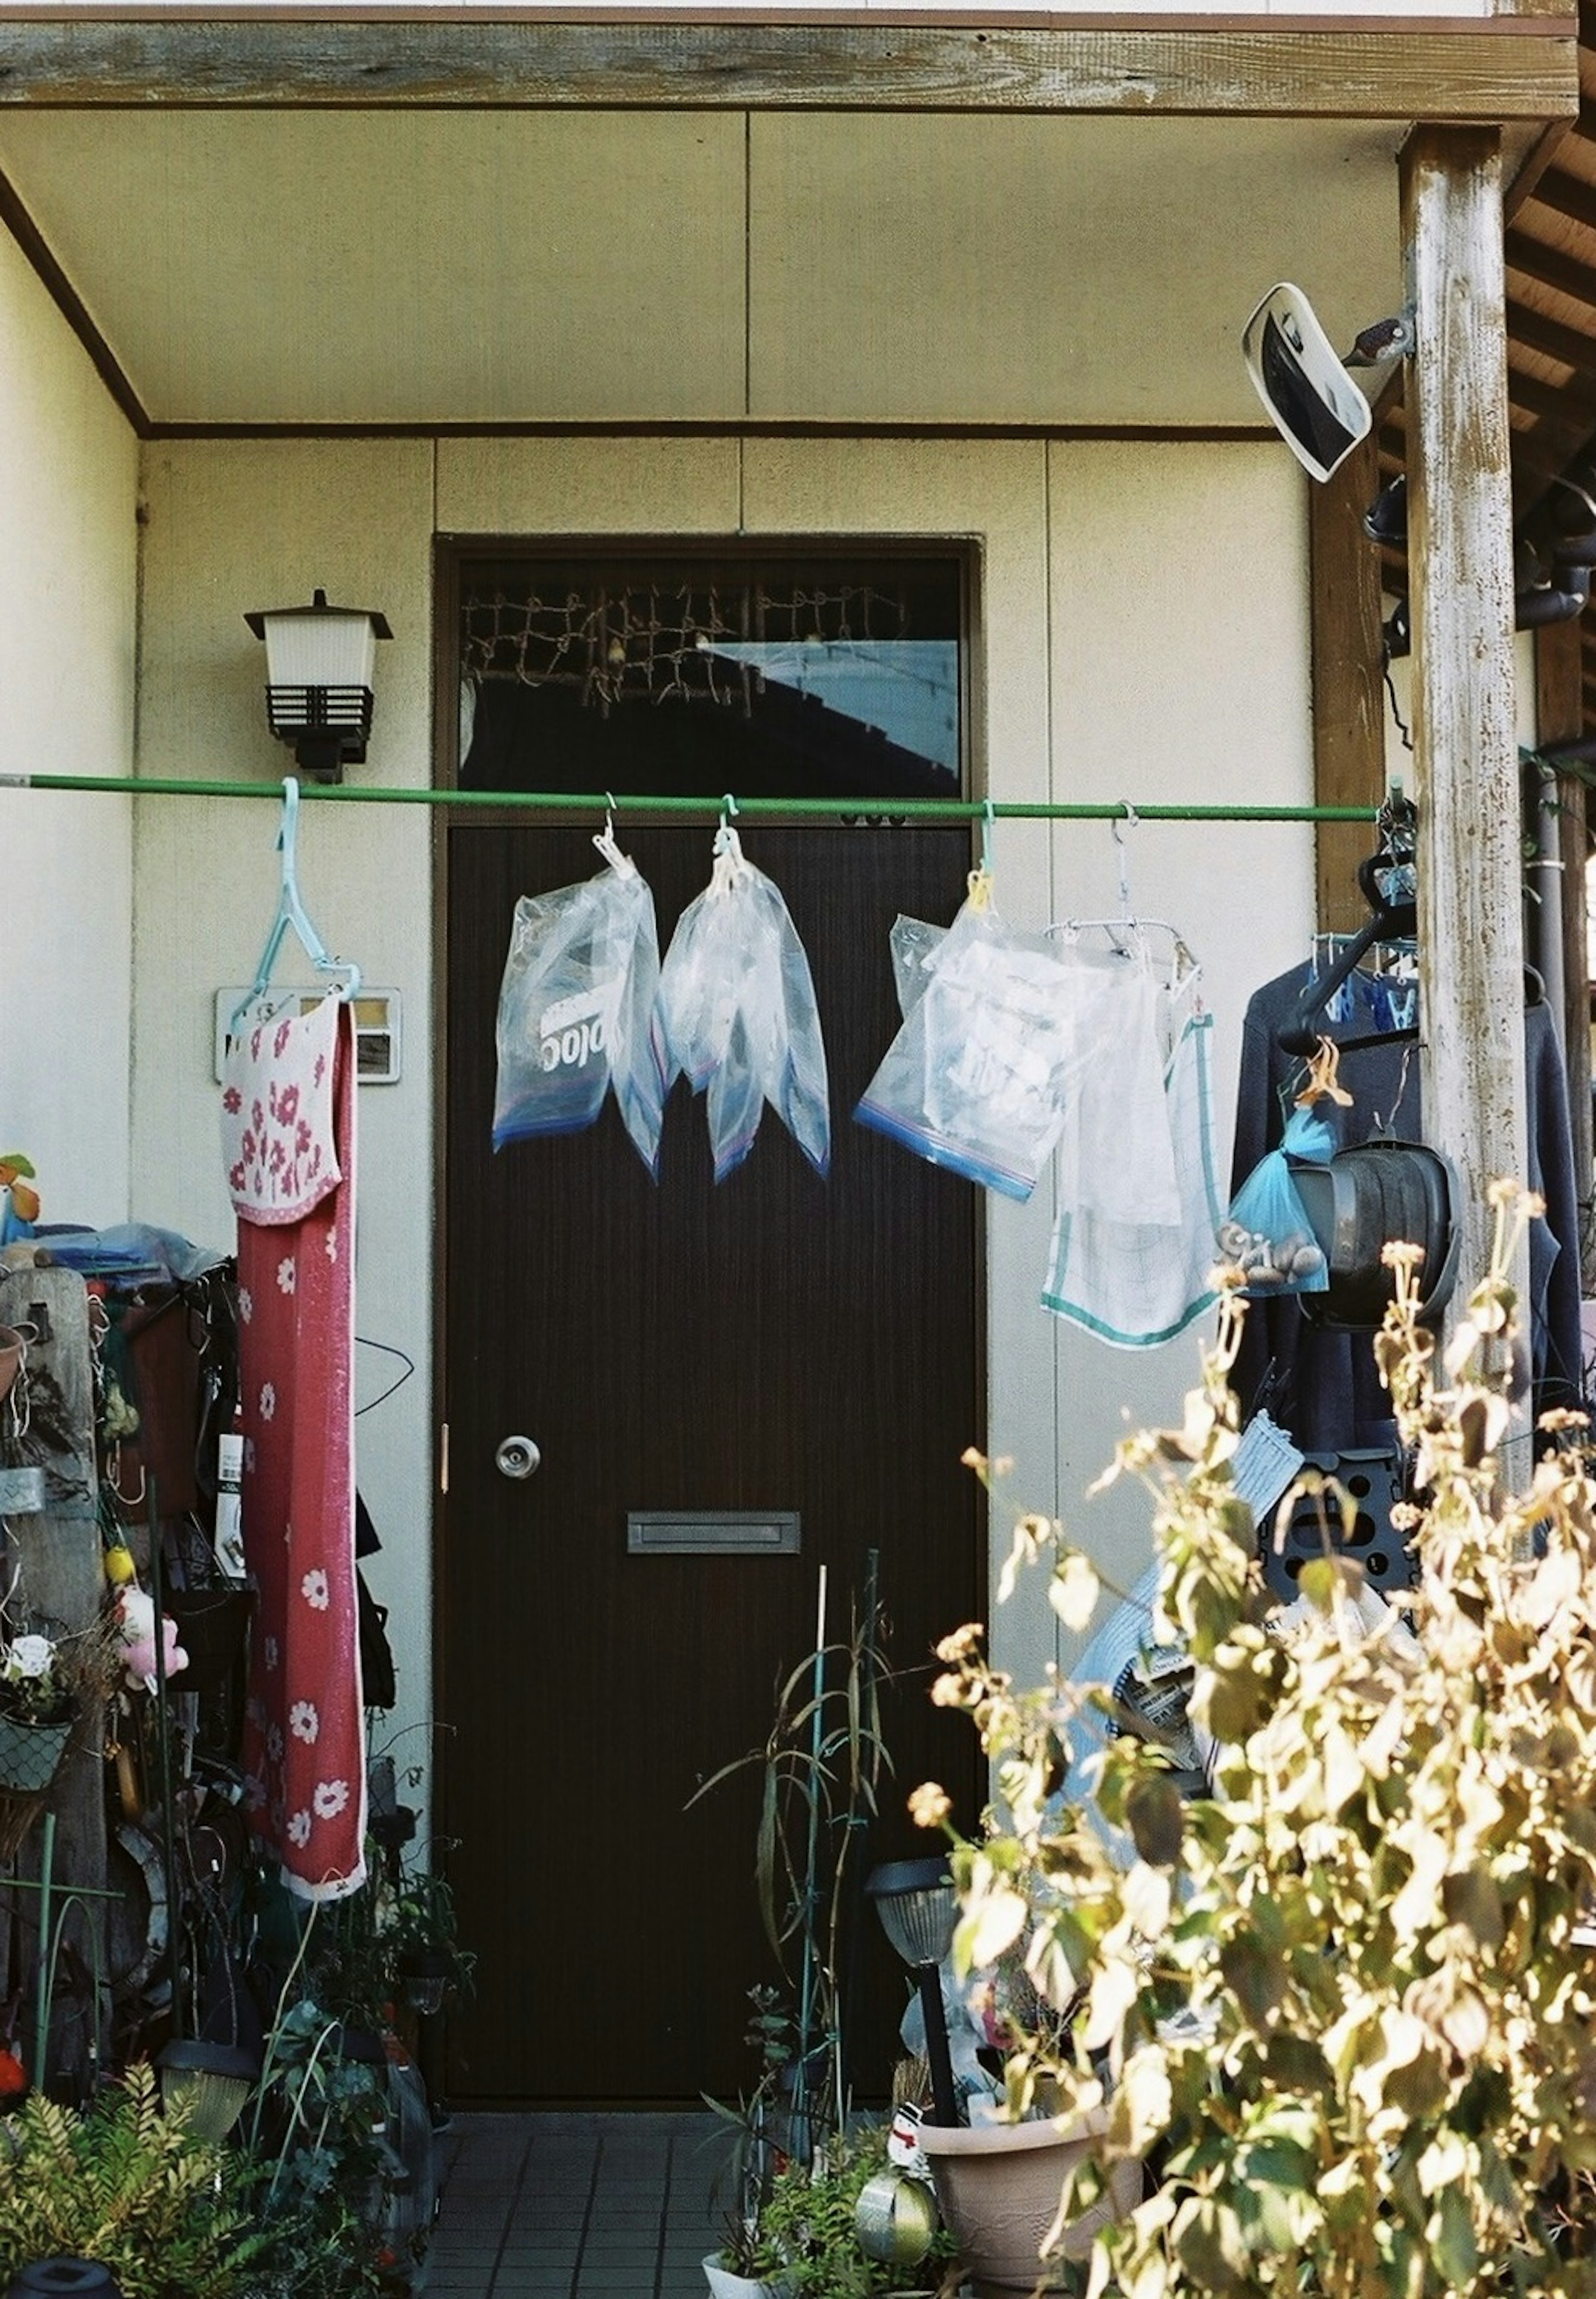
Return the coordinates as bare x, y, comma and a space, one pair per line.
1371, 1195
85, 2277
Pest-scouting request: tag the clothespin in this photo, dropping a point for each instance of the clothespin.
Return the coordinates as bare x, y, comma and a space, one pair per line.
979, 881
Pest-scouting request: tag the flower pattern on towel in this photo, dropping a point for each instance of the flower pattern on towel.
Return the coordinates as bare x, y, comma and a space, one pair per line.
303, 1742
279, 1151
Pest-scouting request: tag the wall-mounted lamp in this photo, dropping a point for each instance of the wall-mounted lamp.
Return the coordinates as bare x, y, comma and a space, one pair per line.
320, 661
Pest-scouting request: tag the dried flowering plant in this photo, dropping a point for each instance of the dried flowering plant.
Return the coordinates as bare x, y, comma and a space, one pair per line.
1345, 2005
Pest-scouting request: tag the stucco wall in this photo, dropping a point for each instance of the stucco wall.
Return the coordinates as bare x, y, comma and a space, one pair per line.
1143, 635
68, 591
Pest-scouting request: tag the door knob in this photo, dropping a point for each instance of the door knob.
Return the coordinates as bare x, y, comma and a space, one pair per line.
517, 1456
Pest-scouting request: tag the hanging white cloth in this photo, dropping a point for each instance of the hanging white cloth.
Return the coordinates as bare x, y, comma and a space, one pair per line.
1132, 1249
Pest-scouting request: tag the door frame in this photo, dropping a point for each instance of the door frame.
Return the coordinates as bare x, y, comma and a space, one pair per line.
452, 554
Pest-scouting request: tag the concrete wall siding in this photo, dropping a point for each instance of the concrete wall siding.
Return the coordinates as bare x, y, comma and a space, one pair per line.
68, 591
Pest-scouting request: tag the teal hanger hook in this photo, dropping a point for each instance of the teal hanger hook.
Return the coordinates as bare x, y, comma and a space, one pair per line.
291, 912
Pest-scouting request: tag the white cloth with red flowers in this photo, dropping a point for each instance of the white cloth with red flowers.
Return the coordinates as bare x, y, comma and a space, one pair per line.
277, 1139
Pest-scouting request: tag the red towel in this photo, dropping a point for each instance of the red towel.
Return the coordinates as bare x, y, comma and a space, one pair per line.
288, 1105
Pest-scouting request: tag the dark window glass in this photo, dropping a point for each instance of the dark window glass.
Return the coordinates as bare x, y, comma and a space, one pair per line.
689, 677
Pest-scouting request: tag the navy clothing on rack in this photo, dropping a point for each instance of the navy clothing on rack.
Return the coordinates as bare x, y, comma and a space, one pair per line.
1323, 1386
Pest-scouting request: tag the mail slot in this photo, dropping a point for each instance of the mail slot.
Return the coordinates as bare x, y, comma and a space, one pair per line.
713, 1532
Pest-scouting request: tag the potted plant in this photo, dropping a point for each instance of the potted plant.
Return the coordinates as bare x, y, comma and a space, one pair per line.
44, 1679
807, 2236
417, 1927
819, 1770
1346, 1996
129, 2187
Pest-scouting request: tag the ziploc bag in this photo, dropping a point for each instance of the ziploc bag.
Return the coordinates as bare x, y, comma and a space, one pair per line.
574, 1012
976, 1078
737, 1015
1268, 1234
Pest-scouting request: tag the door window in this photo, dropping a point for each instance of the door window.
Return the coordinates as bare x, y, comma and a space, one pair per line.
767, 677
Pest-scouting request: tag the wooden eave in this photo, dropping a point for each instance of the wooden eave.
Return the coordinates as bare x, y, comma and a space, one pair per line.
1502, 68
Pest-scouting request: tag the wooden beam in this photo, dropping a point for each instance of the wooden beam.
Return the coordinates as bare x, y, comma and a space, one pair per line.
1559, 717
1494, 71
1459, 561
1349, 698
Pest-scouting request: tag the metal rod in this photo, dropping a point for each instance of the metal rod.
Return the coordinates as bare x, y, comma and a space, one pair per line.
41, 2008
169, 1849
589, 803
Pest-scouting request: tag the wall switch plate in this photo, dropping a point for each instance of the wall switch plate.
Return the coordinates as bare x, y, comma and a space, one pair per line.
377, 1050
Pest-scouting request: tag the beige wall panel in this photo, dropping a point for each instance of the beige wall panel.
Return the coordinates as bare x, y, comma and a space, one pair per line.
981, 270
995, 493
69, 465
1180, 672
588, 486
233, 527
438, 266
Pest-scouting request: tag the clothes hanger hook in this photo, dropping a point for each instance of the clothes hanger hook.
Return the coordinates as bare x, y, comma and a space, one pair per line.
288, 836
1119, 829
609, 814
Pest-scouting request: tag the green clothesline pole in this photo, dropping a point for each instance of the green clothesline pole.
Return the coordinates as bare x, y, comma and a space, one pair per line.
586, 802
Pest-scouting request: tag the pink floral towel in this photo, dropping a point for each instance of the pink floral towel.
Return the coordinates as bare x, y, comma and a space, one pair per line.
288, 1107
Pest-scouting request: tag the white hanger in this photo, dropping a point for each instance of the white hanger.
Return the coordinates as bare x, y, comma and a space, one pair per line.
621, 864
291, 912
1126, 932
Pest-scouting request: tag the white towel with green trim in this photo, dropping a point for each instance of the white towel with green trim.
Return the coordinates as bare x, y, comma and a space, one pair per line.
1137, 1276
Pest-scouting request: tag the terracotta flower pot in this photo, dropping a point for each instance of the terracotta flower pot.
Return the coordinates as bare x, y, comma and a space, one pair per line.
999, 2185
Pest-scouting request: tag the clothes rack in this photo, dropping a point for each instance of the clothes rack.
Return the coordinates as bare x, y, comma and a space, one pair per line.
918, 809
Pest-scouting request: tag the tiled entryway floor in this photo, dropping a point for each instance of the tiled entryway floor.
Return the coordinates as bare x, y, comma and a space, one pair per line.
576, 2207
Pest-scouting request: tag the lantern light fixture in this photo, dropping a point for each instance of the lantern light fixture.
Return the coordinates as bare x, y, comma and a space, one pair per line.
320, 662
918, 1909
207, 2084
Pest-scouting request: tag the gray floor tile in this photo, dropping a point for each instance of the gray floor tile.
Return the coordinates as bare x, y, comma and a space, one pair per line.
576, 2205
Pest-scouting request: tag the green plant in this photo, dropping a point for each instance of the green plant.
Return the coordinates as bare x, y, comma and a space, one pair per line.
127, 2186
805, 2234
820, 1771
1345, 2002
415, 1921
311, 2140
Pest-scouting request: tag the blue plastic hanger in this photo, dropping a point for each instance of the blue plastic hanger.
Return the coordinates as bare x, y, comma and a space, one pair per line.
291, 912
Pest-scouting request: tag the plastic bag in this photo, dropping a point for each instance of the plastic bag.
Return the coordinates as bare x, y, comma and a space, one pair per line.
575, 1010
737, 1015
1268, 1234
976, 1078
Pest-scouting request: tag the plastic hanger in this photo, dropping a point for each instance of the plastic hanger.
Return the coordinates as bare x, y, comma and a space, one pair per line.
1126, 932
1386, 878
291, 912
621, 864
728, 846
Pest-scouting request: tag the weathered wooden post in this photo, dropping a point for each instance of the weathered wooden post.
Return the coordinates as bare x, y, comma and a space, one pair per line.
1459, 556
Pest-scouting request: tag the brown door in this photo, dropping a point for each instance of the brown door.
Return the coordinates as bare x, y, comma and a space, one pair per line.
777, 1342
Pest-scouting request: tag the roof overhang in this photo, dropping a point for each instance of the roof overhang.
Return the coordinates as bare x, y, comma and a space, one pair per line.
1501, 68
